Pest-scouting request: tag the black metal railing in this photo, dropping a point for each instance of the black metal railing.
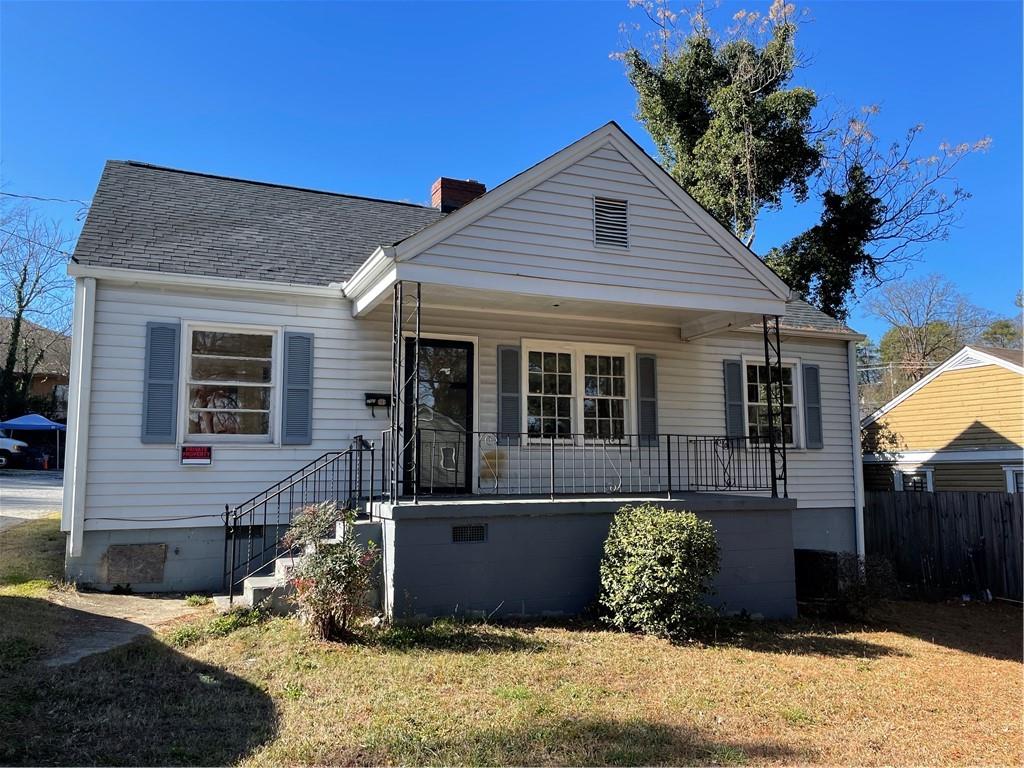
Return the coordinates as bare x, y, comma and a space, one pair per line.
253, 530
450, 462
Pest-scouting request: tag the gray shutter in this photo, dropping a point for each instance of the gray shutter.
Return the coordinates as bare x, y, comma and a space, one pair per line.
297, 400
647, 398
509, 391
160, 385
812, 407
733, 370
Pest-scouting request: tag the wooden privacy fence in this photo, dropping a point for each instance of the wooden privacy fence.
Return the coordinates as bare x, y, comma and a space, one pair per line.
949, 542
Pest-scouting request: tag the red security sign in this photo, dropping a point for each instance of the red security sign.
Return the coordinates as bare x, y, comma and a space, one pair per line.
196, 454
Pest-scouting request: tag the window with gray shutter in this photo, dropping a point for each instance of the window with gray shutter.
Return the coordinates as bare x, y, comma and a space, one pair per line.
812, 407
647, 399
297, 397
160, 387
611, 222
509, 400
733, 377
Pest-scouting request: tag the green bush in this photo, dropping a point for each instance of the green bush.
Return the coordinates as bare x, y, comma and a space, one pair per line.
332, 579
657, 570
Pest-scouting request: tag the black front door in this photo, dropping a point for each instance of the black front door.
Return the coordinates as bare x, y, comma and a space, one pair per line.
444, 446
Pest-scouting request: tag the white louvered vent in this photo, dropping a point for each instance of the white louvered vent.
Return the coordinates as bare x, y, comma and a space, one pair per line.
611, 222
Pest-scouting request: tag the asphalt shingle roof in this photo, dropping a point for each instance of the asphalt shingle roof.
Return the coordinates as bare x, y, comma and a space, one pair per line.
165, 220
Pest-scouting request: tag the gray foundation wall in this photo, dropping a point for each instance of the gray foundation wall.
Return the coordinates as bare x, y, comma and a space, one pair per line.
179, 559
833, 529
542, 558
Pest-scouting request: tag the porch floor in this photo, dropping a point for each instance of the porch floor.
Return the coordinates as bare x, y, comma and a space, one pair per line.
514, 505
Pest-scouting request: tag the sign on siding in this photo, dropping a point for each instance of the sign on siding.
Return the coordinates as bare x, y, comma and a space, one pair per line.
196, 455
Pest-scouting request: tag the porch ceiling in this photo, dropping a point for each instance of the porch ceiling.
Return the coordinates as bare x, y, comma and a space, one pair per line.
691, 322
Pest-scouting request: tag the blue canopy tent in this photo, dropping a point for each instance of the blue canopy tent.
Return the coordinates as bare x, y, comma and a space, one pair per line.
33, 422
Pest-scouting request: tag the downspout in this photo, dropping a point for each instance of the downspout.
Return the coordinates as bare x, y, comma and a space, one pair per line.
858, 456
79, 391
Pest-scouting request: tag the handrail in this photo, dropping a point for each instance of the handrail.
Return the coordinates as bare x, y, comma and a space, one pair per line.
339, 476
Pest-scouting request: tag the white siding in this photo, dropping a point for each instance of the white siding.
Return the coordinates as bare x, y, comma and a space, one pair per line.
547, 232
134, 485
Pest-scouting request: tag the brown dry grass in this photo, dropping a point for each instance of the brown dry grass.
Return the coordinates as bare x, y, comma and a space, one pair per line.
933, 684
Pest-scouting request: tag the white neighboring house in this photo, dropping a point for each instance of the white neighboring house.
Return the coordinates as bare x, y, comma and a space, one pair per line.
582, 333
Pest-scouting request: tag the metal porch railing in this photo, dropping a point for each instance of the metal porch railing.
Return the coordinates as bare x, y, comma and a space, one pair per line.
456, 463
254, 529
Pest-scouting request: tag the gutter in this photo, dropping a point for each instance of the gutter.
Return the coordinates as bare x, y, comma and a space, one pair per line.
76, 458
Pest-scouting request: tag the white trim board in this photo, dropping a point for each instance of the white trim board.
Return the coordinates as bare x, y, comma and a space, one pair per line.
962, 359
907, 457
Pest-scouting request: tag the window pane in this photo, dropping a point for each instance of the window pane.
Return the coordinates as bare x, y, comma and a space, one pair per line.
232, 344
535, 386
619, 366
564, 385
533, 406
590, 364
590, 385
226, 398
589, 408
550, 384
548, 407
604, 365
535, 362
564, 407
550, 362
564, 362
619, 388
230, 369
228, 423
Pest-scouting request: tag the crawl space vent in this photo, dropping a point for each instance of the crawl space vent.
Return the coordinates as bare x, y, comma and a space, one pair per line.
611, 222
463, 533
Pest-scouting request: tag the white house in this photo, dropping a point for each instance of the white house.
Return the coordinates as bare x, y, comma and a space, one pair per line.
515, 362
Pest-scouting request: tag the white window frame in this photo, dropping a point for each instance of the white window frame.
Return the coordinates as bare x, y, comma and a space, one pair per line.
577, 351
913, 469
273, 439
1010, 471
798, 398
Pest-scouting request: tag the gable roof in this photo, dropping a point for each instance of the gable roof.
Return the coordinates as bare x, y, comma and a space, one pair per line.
160, 219
164, 220
610, 134
971, 356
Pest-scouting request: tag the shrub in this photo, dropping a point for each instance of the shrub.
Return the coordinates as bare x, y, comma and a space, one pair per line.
332, 579
657, 570
195, 601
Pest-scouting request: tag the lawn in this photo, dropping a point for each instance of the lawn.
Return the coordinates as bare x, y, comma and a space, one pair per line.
922, 684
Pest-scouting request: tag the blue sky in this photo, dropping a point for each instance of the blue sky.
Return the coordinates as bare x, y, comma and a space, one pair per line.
380, 99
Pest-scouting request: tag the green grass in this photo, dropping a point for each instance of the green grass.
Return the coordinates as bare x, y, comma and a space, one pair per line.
31, 556
197, 601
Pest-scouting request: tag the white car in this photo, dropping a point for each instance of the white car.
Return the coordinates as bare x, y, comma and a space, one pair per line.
10, 450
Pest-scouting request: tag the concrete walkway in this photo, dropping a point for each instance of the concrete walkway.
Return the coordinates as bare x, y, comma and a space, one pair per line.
104, 621
26, 495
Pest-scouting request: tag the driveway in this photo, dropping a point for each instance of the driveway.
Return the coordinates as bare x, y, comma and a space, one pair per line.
26, 495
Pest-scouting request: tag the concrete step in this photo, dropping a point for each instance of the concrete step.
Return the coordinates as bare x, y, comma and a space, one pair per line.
269, 592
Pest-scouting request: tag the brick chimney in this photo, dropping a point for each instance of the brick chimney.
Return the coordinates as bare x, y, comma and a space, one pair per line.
451, 194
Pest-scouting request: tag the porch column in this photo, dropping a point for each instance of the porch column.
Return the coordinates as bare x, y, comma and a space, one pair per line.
776, 400
403, 446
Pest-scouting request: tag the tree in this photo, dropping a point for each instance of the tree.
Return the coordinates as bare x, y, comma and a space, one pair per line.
1007, 332
34, 290
735, 133
728, 125
929, 321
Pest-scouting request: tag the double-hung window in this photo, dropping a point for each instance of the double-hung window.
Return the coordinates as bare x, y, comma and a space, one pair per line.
574, 389
604, 396
230, 384
549, 393
756, 401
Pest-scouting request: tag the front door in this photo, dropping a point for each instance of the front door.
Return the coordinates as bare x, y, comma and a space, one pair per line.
444, 449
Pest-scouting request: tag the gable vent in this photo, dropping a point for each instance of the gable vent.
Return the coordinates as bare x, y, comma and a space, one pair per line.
611, 226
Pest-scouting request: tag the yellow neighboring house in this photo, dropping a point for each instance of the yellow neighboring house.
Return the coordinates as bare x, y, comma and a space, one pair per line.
960, 428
